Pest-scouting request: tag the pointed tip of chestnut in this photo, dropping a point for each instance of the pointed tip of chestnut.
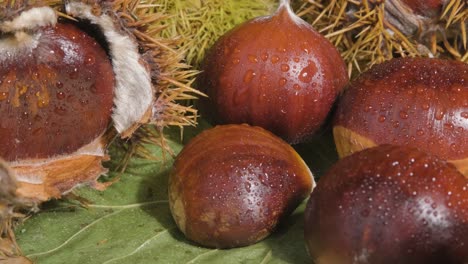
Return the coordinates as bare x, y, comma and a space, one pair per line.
231, 185
389, 204
418, 102
276, 72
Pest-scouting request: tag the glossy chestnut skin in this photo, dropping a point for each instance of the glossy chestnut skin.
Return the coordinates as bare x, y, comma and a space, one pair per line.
389, 204
55, 97
232, 184
416, 102
276, 72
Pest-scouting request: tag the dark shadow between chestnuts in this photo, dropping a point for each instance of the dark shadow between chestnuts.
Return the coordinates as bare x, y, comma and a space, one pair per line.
287, 242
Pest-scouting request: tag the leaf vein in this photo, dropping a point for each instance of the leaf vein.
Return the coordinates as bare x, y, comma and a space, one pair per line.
201, 255
127, 206
74, 235
139, 247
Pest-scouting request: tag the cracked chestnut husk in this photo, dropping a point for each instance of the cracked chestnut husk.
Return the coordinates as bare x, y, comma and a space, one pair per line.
73, 76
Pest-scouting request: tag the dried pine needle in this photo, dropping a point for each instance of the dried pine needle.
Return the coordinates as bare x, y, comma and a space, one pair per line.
201, 22
364, 35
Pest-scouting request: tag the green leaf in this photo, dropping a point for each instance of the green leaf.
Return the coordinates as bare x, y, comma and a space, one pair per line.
130, 222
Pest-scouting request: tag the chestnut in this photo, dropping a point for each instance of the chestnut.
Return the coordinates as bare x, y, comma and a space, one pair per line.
56, 97
71, 83
417, 102
276, 72
231, 185
389, 204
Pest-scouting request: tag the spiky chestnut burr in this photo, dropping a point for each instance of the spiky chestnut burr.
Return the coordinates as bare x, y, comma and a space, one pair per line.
370, 32
75, 74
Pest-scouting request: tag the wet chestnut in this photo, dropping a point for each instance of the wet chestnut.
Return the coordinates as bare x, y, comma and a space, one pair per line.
276, 72
231, 185
417, 102
389, 204
56, 96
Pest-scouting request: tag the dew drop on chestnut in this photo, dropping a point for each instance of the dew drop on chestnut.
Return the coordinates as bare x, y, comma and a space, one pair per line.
421, 109
389, 204
45, 82
294, 60
233, 184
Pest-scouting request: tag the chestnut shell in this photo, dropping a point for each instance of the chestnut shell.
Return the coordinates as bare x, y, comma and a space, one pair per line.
55, 97
418, 102
276, 72
231, 185
389, 204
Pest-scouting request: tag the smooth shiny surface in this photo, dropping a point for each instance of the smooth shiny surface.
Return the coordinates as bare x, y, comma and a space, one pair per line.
389, 204
416, 102
232, 185
56, 97
276, 72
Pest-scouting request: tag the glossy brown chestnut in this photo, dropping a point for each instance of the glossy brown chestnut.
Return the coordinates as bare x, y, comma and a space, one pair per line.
276, 72
389, 204
231, 185
54, 97
417, 102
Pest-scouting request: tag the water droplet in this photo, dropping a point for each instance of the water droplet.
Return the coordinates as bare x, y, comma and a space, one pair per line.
90, 60
382, 119
235, 61
74, 74
403, 115
282, 50
59, 85
265, 56
448, 126
464, 115
60, 95
3, 95
84, 101
275, 59
60, 110
308, 72
247, 186
439, 114
252, 58
296, 87
282, 81
284, 67
248, 76
42, 103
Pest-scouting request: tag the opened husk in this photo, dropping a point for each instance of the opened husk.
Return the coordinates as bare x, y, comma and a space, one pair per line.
151, 81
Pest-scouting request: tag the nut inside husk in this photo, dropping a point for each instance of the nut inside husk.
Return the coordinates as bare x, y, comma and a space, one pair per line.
151, 82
